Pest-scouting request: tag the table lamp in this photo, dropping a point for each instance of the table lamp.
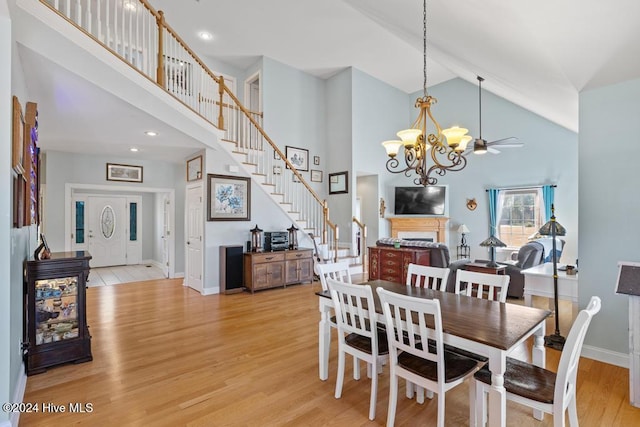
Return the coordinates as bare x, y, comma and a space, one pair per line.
463, 249
493, 242
463, 230
553, 228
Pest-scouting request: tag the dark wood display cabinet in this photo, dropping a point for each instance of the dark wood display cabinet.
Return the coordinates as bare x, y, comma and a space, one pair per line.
55, 329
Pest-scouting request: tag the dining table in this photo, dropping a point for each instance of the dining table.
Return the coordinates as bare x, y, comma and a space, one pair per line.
488, 328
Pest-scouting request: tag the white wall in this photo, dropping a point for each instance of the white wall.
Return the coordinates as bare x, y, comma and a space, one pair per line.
609, 205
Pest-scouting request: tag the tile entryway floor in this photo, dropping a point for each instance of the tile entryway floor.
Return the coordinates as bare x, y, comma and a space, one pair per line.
105, 276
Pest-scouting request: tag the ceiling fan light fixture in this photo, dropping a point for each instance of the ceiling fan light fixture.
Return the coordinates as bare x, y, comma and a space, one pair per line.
479, 146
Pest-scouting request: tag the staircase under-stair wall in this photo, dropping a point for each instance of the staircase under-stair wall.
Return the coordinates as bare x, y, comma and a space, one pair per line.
142, 49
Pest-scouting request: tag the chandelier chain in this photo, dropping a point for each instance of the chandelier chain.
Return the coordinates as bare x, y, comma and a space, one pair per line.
424, 46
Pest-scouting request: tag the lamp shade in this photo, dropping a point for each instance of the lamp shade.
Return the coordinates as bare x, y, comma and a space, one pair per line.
392, 147
463, 229
493, 242
547, 229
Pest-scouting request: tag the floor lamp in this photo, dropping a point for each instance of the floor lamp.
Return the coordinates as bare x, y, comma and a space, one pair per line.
553, 228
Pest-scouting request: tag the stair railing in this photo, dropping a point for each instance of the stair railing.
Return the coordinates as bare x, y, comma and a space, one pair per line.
139, 35
362, 244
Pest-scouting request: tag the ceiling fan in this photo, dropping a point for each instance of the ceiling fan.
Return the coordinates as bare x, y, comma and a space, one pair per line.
481, 146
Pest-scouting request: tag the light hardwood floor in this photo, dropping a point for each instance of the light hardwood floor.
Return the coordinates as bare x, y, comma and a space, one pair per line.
166, 356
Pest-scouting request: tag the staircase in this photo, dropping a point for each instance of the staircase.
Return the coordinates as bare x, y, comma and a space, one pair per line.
138, 34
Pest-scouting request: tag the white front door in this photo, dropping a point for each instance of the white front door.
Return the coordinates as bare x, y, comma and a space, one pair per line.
107, 231
193, 250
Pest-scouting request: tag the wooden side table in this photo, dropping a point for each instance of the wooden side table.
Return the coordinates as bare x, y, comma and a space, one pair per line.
482, 267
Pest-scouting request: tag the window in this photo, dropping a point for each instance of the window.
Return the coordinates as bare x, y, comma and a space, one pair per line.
521, 215
133, 221
79, 234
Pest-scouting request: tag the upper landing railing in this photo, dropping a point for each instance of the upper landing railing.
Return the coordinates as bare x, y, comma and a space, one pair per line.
135, 32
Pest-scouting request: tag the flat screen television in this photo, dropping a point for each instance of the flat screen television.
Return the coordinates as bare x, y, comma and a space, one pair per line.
428, 200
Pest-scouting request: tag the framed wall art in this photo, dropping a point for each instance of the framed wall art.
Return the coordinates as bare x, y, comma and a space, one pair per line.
316, 160
339, 183
17, 146
229, 198
194, 169
298, 157
316, 175
126, 173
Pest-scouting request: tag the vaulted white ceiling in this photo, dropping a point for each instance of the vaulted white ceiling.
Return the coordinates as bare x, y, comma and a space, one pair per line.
539, 55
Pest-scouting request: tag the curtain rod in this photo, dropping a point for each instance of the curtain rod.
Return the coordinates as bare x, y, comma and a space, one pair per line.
519, 188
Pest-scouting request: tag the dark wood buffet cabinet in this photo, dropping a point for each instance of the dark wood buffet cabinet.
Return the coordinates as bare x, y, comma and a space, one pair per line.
389, 263
263, 270
55, 320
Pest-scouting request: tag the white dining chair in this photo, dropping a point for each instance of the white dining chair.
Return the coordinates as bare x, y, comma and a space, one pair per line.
336, 271
538, 388
482, 285
358, 333
423, 276
410, 322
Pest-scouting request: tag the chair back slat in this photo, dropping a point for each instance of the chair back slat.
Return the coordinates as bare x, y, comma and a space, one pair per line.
415, 322
423, 276
482, 285
354, 307
338, 271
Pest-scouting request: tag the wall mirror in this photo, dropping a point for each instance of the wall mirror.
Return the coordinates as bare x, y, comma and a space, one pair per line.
339, 182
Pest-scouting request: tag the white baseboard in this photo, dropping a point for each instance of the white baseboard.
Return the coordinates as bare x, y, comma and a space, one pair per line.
211, 291
178, 275
18, 396
605, 356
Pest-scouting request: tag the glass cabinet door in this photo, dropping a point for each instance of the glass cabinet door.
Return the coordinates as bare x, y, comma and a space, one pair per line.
56, 317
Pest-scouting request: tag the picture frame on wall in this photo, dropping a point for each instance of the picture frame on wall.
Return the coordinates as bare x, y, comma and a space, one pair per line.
126, 173
316, 160
316, 175
298, 157
17, 146
229, 198
339, 182
194, 169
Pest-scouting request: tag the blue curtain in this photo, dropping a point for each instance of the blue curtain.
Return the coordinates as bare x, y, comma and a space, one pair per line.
493, 210
547, 197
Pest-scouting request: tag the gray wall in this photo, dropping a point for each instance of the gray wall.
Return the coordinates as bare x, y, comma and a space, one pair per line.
73, 168
609, 206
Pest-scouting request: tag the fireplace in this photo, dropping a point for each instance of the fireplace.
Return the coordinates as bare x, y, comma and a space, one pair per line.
419, 228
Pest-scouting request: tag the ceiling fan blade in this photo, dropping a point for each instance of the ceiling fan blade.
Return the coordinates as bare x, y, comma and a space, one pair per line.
511, 139
493, 150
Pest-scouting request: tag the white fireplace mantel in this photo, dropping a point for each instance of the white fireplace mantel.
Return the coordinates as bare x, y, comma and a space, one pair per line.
432, 224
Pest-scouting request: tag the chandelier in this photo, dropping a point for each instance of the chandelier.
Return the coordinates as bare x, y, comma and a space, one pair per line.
428, 154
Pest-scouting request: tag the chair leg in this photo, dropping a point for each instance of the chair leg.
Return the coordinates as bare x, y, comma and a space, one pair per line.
374, 391
356, 368
393, 398
420, 394
409, 387
481, 404
472, 403
573, 413
340, 377
441, 408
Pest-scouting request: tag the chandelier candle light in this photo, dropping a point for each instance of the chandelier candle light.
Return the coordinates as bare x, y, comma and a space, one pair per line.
445, 147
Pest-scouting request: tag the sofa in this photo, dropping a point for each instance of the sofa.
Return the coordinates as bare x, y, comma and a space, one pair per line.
439, 256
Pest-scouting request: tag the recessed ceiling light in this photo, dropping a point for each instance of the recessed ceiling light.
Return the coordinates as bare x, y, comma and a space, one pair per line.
151, 133
129, 5
204, 35
134, 149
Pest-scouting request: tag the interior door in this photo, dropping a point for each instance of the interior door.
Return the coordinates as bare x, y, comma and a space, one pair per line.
107, 231
165, 234
193, 250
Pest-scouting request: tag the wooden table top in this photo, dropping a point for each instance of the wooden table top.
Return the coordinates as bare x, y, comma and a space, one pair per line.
499, 325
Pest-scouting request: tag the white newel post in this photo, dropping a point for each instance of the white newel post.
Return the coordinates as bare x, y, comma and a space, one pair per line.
629, 284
